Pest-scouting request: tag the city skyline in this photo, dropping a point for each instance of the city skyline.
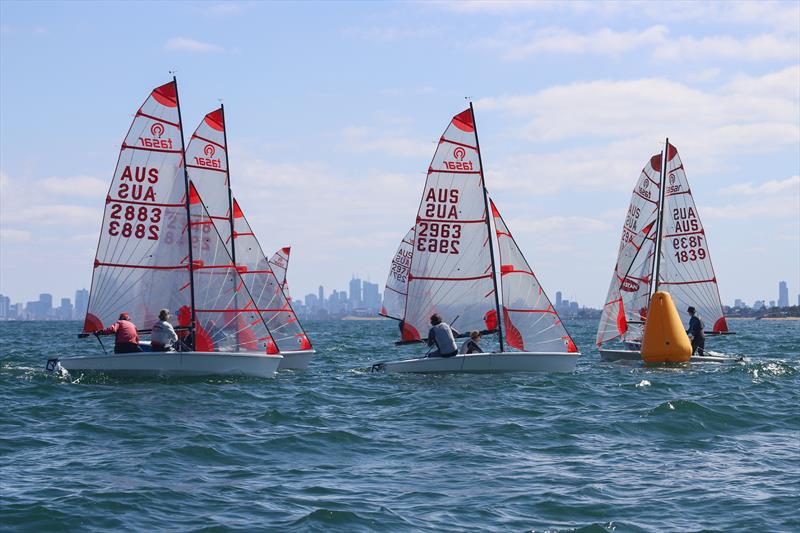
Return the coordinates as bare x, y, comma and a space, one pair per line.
571, 100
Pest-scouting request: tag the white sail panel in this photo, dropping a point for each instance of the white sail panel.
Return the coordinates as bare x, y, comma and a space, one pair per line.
265, 289
207, 166
279, 262
227, 318
686, 270
530, 323
396, 290
451, 268
139, 268
626, 303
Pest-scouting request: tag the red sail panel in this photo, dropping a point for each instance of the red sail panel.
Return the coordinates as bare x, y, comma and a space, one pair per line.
265, 288
686, 271
228, 318
628, 293
279, 262
451, 267
396, 290
141, 263
530, 321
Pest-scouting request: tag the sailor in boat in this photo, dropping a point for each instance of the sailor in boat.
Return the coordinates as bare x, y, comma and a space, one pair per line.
443, 336
696, 327
471, 346
163, 335
126, 339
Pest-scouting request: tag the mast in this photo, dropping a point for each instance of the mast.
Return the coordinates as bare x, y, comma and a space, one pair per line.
489, 233
228, 178
188, 215
660, 223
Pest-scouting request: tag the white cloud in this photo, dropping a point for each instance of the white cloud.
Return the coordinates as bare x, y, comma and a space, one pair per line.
12, 236
86, 186
787, 186
366, 139
760, 48
184, 44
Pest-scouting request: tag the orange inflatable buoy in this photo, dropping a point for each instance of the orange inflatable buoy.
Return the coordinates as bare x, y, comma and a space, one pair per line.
664, 340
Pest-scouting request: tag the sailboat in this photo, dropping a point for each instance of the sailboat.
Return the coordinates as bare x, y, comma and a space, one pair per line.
663, 247
446, 264
160, 249
208, 168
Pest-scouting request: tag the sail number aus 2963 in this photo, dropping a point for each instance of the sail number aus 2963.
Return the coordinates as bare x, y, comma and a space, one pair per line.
438, 237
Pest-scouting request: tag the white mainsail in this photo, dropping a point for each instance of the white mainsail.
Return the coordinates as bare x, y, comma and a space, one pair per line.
530, 322
139, 267
451, 268
625, 307
686, 269
396, 290
265, 288
227, 315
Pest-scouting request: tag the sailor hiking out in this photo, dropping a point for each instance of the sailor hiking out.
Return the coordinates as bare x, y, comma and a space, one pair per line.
471, 345
443, 336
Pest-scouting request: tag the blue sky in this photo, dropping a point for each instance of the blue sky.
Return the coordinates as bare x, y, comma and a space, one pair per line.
333, 112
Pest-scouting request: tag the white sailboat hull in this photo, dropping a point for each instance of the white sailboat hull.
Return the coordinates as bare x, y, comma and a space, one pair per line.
175, 364
485, 363
633, 355
298, 360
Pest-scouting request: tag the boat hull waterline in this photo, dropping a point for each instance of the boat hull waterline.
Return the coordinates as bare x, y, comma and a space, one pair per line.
632, 355
174, 364
484, 363
298, 360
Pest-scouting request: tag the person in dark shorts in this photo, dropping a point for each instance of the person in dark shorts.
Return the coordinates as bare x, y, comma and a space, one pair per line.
696, 328
126, 338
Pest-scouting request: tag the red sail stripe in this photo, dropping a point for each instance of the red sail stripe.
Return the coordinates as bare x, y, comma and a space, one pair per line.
206, 168
135, 202
453, 220
395, 290
430, 170
504, 271
414, 278
458, 144
140, 114
196, 136
550, 311
677, 193
256, 272
682, 234
712, 280
149, 267
128, 146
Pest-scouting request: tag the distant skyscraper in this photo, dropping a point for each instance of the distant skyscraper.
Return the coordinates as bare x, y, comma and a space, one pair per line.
372, 298
321, 294
558, 300
311, 301
783, 294
355, 292
65, 310
5, 304
81, 303
738, 303
45, 305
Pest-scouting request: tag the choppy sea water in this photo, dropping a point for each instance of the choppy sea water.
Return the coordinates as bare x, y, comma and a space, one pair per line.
611, 447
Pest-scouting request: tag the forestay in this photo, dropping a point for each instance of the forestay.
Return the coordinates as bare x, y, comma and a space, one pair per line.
451, 268
279, 263
530, 322
139, 268
625, 307
396, 290
227, 318
265, 288
686, 270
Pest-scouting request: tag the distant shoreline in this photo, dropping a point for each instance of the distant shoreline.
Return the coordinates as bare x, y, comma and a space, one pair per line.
762, 318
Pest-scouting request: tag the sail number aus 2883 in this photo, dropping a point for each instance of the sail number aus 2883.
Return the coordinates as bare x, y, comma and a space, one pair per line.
131, 221
438, 237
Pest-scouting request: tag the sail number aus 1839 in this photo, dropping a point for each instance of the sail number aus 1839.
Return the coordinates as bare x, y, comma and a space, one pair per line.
689, 248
